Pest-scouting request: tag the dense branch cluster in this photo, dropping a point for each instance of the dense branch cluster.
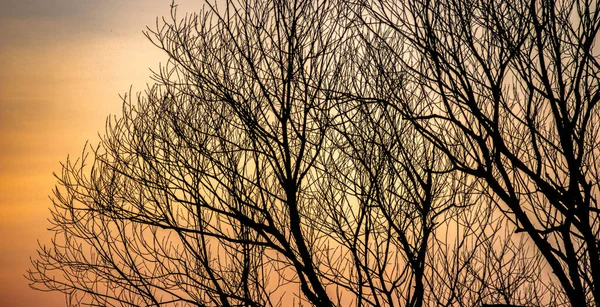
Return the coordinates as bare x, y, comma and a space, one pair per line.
368, 153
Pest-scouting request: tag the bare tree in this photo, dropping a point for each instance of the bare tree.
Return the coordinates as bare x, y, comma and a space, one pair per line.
196, 195
257, 172
434, 219
508, 90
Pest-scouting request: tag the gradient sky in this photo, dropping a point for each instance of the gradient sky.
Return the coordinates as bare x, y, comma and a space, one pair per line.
63, 64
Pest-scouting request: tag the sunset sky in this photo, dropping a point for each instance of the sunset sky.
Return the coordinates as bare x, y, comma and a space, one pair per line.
63, 65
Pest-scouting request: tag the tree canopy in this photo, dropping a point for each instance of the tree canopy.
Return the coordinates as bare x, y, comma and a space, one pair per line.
333, 153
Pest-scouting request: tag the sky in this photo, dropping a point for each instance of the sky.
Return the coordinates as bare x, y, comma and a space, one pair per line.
63, 64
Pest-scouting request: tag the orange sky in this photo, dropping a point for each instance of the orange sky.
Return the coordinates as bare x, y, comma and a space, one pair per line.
63, 64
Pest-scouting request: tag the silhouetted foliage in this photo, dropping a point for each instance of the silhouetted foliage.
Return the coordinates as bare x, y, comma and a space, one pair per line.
333, 154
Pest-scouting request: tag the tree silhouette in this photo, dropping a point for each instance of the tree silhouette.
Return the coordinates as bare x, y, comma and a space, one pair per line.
284, 157
508, 91
196, 195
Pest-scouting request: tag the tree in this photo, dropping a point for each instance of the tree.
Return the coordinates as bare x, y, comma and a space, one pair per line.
249, 175
420, 235
196, 194
508, 91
